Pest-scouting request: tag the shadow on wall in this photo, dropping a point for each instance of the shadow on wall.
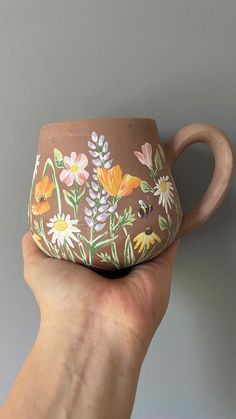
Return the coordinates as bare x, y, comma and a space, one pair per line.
209, 281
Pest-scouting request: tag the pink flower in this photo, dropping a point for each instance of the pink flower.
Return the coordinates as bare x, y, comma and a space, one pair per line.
146, 156
75, 169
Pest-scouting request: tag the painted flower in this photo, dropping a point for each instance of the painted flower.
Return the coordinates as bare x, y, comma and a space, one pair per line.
37, 240
75, 169
115, 183
99, 209
36, 166
145, 239
146, 156
62, 229
164, 189
43, 190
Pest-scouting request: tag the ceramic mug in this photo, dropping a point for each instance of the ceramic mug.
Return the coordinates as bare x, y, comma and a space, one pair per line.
103, 195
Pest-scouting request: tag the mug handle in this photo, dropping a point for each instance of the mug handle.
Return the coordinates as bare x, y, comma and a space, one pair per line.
223, 171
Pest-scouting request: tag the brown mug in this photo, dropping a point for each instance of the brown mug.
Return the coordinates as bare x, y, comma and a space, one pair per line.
103, 195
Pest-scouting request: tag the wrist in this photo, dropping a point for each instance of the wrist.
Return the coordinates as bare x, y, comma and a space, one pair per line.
92, 328
96, 363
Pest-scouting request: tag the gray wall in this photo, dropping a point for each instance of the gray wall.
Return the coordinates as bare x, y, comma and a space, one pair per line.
171, 60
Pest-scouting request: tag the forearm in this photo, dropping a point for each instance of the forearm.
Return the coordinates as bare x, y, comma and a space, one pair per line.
92, 375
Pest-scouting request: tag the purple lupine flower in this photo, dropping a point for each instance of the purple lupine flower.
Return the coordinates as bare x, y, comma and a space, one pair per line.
99, 207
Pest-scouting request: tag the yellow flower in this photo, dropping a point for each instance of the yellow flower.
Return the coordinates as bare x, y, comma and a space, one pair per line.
37, 239
146, 238
116, 184
43, 191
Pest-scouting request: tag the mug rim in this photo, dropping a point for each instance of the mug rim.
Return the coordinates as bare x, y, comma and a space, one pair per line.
77, 122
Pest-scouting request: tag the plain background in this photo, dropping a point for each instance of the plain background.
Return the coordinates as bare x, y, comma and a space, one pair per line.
171, 60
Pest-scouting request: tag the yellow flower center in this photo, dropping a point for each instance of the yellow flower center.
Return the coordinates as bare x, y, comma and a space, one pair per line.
61, 225
74, 168
163, 186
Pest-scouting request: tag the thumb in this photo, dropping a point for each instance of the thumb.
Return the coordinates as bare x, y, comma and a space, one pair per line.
168, 256
31, 252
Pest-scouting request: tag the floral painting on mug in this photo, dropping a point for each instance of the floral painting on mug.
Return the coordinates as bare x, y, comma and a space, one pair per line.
93, 198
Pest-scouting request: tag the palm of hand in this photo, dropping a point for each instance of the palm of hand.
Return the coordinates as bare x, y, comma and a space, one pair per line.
65, 291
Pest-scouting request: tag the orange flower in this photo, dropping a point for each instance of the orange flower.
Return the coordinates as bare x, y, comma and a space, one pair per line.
43, 191
116, 184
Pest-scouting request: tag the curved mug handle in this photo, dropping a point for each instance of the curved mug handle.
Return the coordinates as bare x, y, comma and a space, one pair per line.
223, 171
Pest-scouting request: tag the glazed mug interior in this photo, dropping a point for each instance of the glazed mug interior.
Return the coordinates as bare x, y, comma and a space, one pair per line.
103, 194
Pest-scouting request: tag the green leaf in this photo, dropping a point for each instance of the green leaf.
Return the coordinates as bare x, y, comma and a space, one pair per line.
163, 223
129, 258
82, 252
36, 225
158, 162
69, 198
107, 258
162, 154
145, 187
58, 157
79, 197
86, 241
126, 219
71, 256
99, 238
103, 243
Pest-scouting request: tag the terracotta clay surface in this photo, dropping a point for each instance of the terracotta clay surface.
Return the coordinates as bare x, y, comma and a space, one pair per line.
102, 191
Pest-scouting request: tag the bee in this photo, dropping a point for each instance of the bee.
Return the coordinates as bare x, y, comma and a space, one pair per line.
145, 209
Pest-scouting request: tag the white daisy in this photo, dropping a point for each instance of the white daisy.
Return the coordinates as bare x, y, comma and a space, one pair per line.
163, 189
62, 229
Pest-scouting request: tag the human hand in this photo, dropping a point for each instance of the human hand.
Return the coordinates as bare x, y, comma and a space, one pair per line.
94, 334
131, 307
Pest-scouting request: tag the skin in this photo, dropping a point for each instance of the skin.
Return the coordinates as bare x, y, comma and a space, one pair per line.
93, 337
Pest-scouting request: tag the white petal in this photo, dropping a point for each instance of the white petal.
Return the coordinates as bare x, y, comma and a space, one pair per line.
103, 208
91, 145
94, 153
112, 208
95, 210
106, 156
69, 241
95, 177
108, 164
92, 194
50, 224
94, 186
54, 238
90, 202
73, 237
101, 140
89, 221
94, 136
74, 229
97, 162
103, 200
99, 227
88, 212
105, 147
102, 217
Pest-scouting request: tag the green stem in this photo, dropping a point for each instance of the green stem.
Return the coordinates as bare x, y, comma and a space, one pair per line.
70, 253
91, 251
47, 164
83, 254
112, 233
145, 256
